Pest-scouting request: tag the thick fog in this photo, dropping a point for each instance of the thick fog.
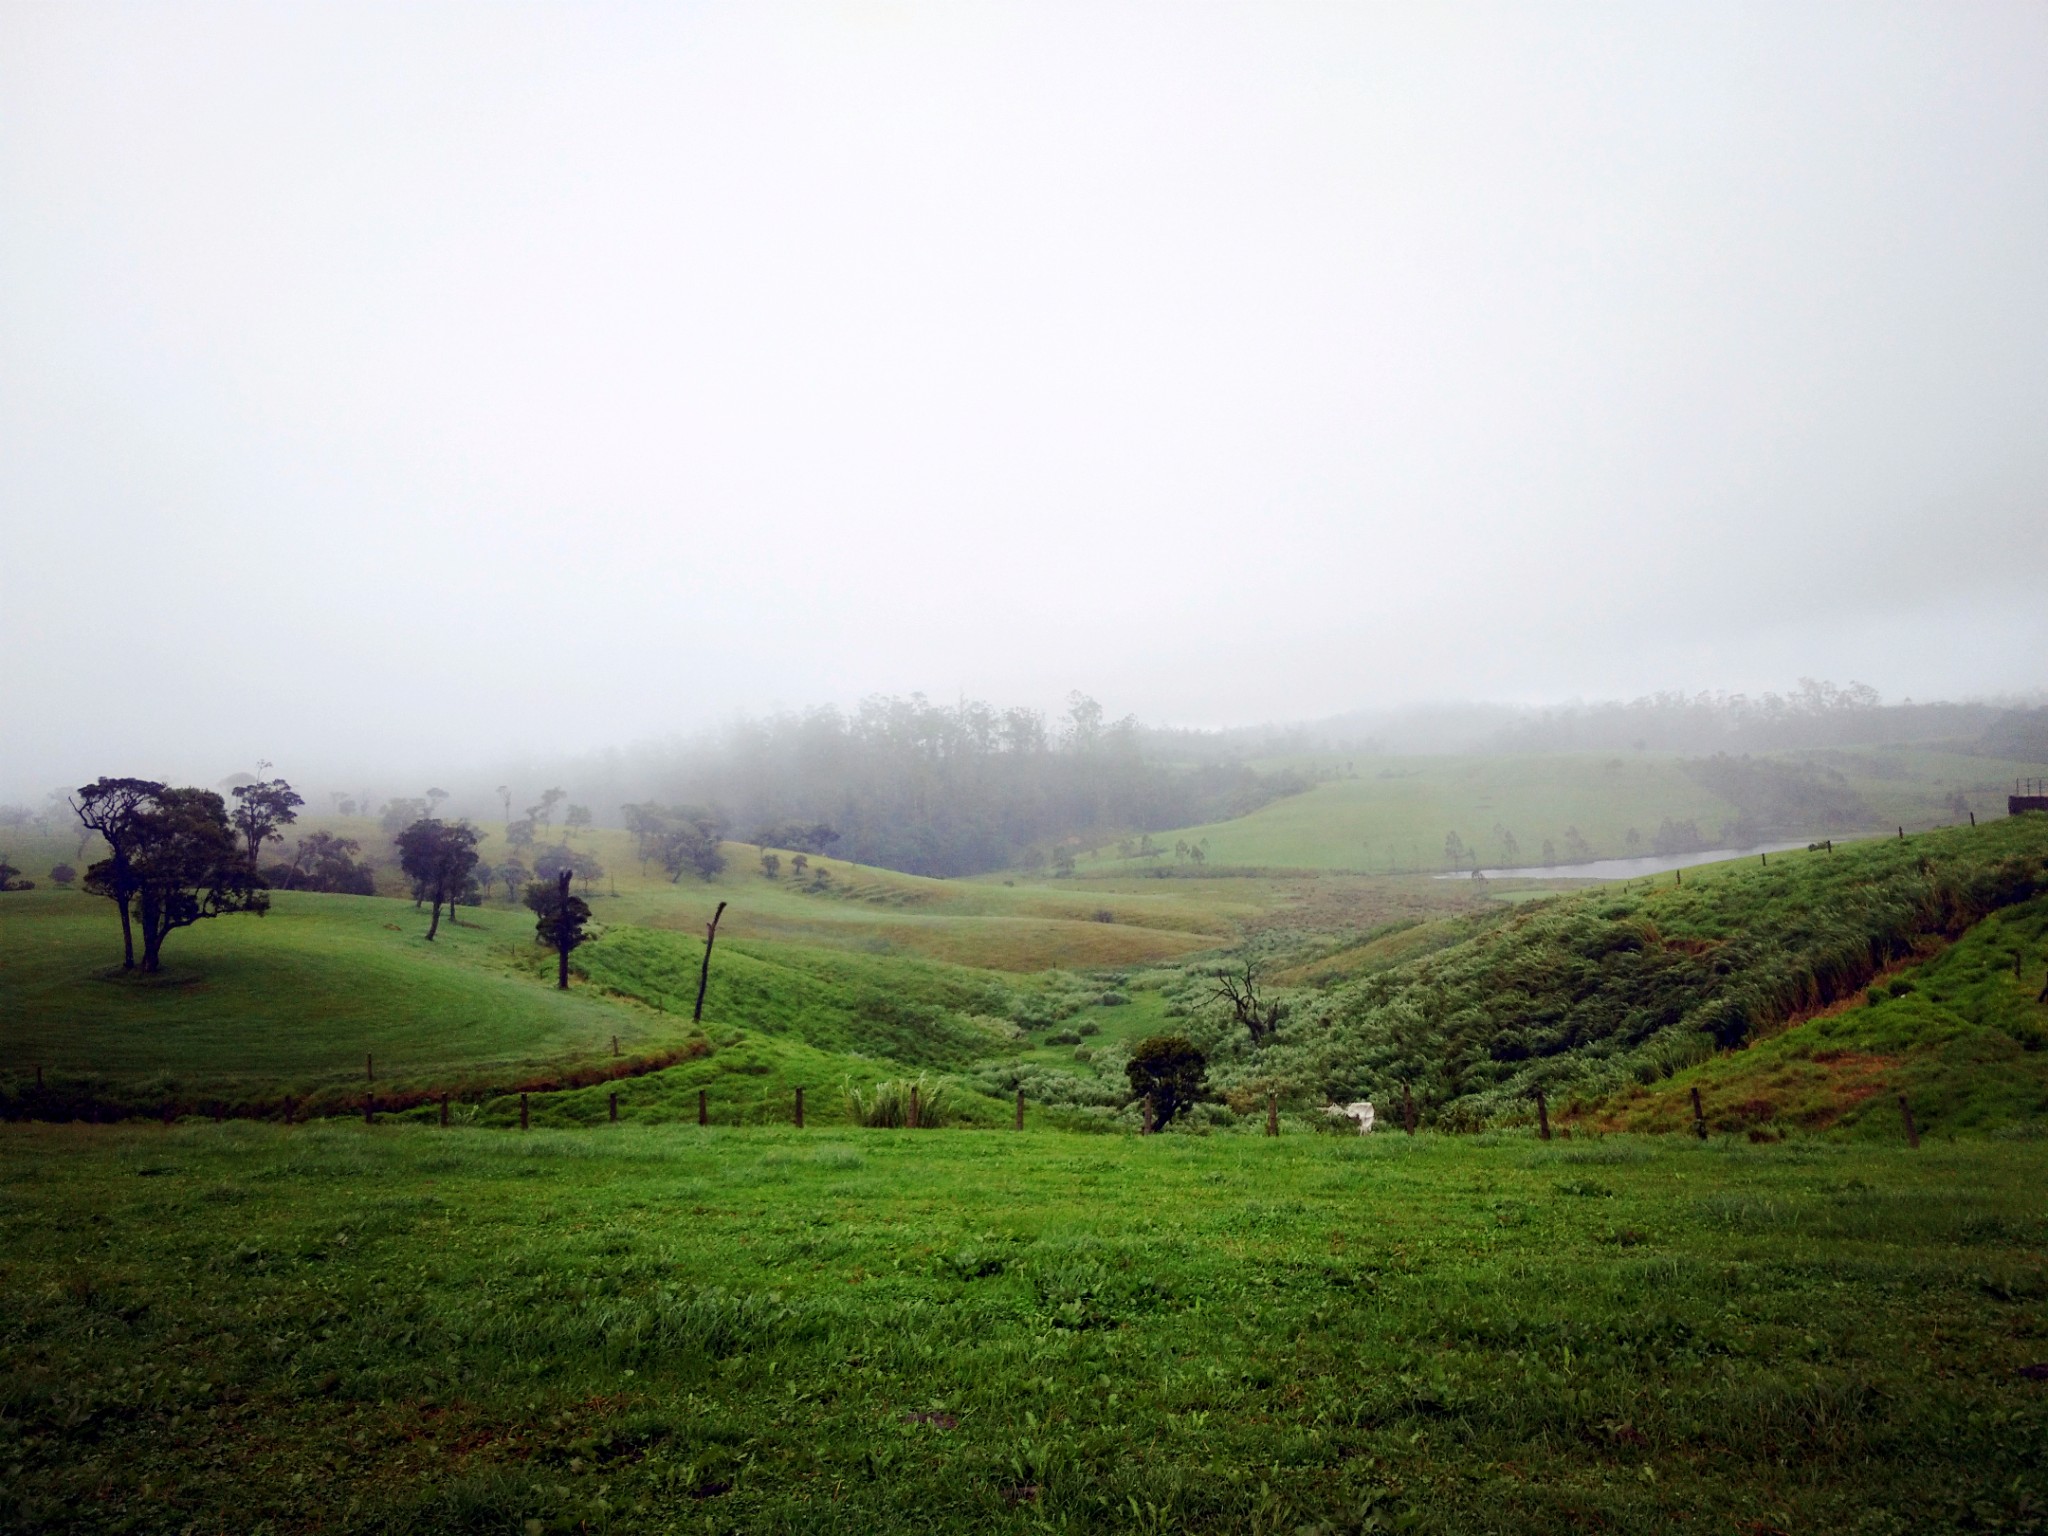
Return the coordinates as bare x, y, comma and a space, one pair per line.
417, 386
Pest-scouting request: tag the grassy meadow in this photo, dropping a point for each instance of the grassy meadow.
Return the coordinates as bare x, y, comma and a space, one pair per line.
1390, 815
625, 1329
1795, 1324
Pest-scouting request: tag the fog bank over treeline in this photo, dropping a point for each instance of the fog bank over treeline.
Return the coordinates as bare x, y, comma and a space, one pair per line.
967, 787
962, 788
1812, 716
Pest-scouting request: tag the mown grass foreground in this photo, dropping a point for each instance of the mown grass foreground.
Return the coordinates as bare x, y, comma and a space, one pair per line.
336, 1327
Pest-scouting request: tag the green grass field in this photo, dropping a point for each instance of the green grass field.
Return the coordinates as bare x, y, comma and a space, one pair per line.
619, 1329
1393, 816
1798, 1324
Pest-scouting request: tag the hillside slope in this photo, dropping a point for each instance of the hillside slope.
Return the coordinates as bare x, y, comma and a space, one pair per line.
1586, 994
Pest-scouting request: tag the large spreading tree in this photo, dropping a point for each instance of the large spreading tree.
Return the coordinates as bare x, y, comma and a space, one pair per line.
440, 856
185, 865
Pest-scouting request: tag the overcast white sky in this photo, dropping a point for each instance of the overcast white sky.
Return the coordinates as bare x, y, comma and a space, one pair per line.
408, 384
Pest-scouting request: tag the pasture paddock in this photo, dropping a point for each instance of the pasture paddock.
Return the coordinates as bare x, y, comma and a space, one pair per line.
627, 1329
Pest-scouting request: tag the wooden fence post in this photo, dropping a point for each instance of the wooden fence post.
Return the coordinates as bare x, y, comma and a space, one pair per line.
369, 1068
1020, 1109
1678, 877
1408, 1109
615, 1045
913, 1106
369, 1109
523, 1122
1906, 1114
1902, 834
799, 1109
287, 1110
1542, 1116
1272, 1114
615, 1109
444, 1109
39, 1077
167, 1112
1699, 1115
703, 1108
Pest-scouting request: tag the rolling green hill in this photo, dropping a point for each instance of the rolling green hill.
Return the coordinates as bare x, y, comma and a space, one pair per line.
1392, 815
1582, 995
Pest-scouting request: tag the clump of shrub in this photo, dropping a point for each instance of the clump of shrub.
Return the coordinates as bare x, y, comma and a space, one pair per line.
1113, 999
1088, 1027
1063, 1037
1083, 1053
887, 1106
1169, 1074
63, 874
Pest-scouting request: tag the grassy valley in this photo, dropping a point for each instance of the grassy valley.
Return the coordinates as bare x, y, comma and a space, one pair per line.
744, 1325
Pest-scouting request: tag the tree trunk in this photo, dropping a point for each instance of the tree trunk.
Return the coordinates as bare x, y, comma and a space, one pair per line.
704, 976
127, 938
562, 945
434, 927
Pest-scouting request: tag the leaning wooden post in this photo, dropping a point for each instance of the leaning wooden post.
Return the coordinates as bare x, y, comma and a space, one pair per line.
799, 1109
704, 975
703, 1107
615, 1109
1408, 1109
523, 1122
913, 1106
1272, 1114
1020, 1109
1542, 1116
1906, 1114
1699, 1115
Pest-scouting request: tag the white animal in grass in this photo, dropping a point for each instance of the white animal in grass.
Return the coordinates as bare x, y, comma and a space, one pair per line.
1360, 1112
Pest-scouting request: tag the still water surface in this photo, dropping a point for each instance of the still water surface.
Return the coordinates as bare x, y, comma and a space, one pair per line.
1625, 869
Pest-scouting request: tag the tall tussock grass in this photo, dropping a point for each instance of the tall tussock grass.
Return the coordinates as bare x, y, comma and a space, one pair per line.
886, 1106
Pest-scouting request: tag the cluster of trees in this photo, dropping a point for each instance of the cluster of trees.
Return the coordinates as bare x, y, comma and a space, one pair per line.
933, 789
326, 863
1774, 797
687, 837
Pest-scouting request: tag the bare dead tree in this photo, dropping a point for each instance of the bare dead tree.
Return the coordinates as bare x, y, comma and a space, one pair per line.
704, 976
1240, 989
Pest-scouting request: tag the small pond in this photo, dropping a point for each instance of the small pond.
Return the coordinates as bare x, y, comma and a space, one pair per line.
1626, 869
